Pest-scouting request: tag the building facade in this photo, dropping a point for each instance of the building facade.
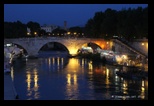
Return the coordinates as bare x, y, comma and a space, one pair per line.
49, 28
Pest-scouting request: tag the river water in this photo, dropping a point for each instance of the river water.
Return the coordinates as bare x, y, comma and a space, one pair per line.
57, 77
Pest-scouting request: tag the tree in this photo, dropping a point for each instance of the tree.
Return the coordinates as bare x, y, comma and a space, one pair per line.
34, 27
59, 31
109, 24
14, 30
89, 28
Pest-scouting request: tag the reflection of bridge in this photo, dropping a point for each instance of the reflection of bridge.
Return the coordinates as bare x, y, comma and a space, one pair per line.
33, 45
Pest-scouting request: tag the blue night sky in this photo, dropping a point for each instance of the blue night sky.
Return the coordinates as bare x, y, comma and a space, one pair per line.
56, 14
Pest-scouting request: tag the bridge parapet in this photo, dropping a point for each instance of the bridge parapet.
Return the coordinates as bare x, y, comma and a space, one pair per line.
33, 45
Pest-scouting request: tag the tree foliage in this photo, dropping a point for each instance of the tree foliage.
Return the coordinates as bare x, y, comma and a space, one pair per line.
131, 23
14, 29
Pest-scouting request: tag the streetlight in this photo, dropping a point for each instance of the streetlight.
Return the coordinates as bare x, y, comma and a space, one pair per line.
28, 33
35, 33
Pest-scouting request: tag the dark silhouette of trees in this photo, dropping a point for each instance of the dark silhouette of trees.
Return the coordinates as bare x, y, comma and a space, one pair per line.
14, 29
78, 30
59, 32
42, 32
129, 24
19, 30
34, 27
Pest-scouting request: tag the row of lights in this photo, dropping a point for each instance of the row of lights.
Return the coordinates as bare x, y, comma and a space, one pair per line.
68, 33
28, 33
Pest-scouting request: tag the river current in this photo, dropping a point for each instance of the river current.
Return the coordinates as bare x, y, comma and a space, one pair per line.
57, 77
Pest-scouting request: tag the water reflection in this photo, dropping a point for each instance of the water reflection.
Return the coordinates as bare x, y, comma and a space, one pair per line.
75, 79
71, 87
32, 84
53, 63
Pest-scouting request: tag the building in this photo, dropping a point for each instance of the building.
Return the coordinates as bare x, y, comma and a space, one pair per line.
28, 31
49, 28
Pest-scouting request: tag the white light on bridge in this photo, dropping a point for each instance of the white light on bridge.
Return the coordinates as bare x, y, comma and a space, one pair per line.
8, 44
28, 33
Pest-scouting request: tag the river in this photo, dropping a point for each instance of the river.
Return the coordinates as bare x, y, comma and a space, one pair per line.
57, 77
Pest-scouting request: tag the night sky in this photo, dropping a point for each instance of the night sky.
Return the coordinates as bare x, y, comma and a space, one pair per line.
56, 14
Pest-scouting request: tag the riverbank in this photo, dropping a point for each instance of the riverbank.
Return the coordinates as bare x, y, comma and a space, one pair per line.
133, 72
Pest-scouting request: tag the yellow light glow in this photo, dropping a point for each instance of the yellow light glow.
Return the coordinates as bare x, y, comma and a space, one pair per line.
28, 80
68, 33
107, 72
85, 45
35, 82
143, 89
90, 65
125, 87
35, 33
71, 89
124, 57
142, 44
73, 64
75, 79
36, 94
68, 79
73, 51
107, 78
143, 83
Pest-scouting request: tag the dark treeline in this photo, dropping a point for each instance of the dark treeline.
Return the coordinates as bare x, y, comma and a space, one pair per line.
19, 30
14, 29
130, 23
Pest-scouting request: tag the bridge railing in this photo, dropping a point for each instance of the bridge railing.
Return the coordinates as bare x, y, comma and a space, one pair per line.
52, 38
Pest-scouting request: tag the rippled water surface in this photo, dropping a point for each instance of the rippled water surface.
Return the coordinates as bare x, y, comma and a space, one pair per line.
61, 78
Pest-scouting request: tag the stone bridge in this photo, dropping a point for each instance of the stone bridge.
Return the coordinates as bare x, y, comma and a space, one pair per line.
33, 45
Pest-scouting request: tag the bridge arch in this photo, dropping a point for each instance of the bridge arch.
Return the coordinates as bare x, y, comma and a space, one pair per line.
19, 45
33, 45
51, 45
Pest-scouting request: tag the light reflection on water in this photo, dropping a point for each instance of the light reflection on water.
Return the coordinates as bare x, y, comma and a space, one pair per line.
61, 78
32, 84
